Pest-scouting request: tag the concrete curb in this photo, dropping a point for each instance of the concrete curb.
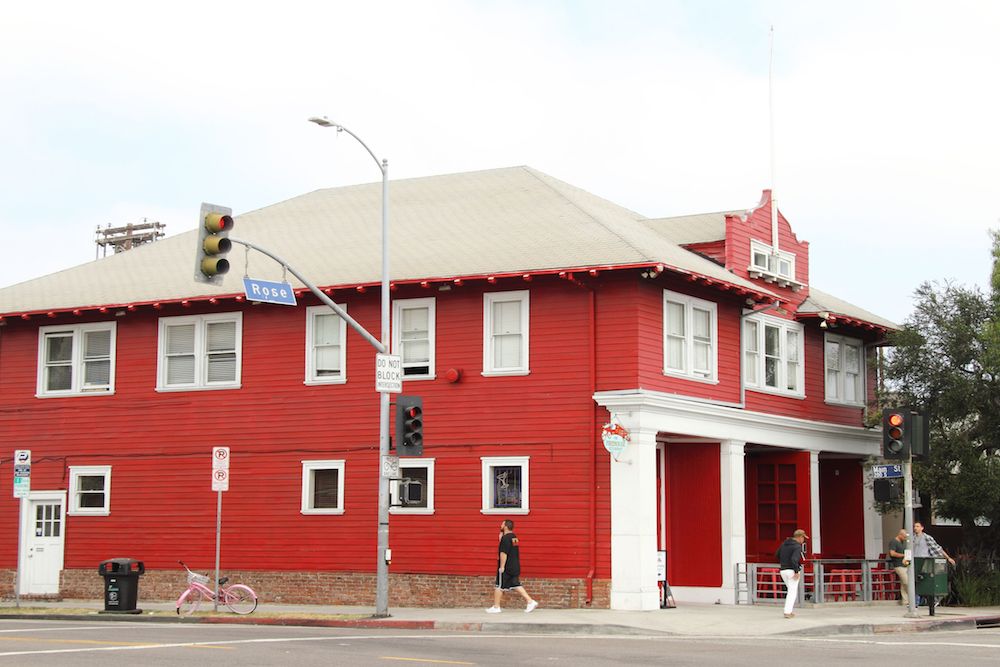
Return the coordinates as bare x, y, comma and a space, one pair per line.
871, 629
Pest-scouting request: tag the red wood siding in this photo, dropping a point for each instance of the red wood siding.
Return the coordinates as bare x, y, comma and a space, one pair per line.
158, 444
694, 508
841, 508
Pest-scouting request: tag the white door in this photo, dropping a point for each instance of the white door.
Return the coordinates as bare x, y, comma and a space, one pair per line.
42, 537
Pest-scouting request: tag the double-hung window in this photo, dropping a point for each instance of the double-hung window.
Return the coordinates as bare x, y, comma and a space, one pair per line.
200, 352
505, 485
689, 337
76, 360
844, 370
90, 490
772, 355
326, 346
505, 333
323, 487
413, 336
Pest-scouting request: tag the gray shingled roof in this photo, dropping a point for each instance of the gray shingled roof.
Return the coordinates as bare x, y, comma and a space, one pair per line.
471, 224
685, 229
818, 302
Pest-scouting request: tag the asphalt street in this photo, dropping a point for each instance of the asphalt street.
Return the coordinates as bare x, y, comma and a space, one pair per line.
39, 642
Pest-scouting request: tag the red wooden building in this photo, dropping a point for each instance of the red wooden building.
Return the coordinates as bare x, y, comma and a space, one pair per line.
528, 314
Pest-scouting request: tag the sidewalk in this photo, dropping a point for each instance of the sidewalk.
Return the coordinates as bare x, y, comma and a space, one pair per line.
688, 620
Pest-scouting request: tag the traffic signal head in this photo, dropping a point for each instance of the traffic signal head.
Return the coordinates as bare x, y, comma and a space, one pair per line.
897, 433
213, 243
409, 426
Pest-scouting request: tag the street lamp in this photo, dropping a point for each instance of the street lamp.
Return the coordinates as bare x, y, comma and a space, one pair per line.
382, 564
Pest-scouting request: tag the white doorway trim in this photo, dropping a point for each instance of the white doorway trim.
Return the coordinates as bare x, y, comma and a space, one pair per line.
26, 535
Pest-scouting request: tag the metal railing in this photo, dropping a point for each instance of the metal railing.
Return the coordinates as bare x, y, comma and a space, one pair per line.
825, 580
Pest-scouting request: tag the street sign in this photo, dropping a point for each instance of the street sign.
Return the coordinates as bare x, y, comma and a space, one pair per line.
390, 467
389, 373
267, 291
887, 471
220, 458
22, 473
220, 479
220, 468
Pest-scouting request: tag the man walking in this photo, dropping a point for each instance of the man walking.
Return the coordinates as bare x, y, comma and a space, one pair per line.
897, 552
509, 569
926, 546
790, 557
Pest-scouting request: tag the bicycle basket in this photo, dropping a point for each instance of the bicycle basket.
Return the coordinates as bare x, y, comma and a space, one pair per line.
195, 578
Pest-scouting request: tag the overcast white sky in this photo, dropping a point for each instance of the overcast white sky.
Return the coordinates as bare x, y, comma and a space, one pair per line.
887, 116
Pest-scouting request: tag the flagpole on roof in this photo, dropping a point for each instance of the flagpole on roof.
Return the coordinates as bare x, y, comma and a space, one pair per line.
770, 113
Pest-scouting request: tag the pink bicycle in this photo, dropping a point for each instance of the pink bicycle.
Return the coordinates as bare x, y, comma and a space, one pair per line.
239, 598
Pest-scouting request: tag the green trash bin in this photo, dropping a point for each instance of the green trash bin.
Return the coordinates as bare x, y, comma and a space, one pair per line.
932, 576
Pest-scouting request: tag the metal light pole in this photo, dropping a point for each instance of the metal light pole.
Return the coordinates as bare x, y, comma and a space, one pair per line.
382, 564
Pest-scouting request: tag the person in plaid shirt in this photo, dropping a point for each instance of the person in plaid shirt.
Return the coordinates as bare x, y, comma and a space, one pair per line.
926, 546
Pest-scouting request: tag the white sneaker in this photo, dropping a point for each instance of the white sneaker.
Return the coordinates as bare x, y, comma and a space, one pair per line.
531, 607
494, 610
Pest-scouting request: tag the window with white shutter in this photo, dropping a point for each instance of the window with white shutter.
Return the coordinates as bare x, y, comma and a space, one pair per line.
200, 352
76, 360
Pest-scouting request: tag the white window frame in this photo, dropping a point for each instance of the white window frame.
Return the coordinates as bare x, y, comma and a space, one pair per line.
490, 462
689, 304
77, 362
312, 312
768, 267
308, 468
838, 393
398, 305
201, 323
394, 487
489, 299
757, 357
75, 473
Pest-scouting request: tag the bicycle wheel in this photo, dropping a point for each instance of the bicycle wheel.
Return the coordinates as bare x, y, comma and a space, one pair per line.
240, 599
189, 602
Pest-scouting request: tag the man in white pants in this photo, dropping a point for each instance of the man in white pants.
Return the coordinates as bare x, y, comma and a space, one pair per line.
790, 557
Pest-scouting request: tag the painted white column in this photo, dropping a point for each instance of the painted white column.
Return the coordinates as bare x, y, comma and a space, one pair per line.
633, 523
816, 543
872, 519
734, 524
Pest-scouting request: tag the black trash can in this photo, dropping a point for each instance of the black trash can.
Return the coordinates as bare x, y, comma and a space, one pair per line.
121, 585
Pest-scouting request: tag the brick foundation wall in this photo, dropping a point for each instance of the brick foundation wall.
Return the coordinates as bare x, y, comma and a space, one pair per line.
347, 588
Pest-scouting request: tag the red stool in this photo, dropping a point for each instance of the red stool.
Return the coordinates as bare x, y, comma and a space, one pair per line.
769, 583
843, 584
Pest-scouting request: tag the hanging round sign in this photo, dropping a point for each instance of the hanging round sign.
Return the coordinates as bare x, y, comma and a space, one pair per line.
615, 438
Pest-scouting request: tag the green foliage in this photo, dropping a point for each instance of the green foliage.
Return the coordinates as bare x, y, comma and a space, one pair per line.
976, 582
946, 361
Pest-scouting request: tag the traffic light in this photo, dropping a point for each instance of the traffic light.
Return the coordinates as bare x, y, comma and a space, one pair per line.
409, 426
897, 433
213, 229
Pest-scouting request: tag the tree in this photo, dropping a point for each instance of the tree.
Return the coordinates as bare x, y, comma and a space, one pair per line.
946, 361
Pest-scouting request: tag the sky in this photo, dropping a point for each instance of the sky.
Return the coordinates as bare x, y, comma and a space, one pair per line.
886, 116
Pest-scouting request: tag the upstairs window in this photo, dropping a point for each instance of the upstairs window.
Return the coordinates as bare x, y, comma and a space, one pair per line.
505, 333
90, 490
200, 352
326, 346
844, 370
764, 260
413, 323
76, 360
689, 337
772, 355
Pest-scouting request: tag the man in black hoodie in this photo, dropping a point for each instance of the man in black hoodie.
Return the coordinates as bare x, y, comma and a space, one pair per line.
790, 557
